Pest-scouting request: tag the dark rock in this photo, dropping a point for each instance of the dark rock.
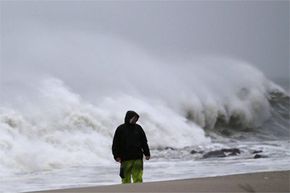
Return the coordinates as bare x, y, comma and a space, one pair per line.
232, 151
195, 152
257, 156
212, 154
222, 153
257, 151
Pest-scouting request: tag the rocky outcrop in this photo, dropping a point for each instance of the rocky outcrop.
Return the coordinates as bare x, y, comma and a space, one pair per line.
258, 156
257, 151
195, 152
214, 154
222, 153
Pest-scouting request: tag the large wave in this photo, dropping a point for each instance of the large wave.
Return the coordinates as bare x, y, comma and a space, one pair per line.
61, 123
73, 116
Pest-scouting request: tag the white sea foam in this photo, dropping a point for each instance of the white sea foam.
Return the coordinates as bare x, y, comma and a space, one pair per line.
56, 123
60, 129
61, 124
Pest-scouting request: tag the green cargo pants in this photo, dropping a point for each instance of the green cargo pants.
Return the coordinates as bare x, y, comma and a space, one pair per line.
134, 169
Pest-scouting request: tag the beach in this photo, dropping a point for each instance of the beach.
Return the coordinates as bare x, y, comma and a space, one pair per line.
277, 181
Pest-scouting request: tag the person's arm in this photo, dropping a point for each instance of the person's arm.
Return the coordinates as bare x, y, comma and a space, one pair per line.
145, 146
116, 150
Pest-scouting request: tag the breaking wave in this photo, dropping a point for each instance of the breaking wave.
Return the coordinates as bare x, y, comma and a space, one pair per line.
57, 121
186, 104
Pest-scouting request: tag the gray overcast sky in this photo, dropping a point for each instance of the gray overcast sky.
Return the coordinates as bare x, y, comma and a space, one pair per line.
254, 31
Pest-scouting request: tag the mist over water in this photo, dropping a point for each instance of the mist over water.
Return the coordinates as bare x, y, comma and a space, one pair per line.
78, 86
60, 108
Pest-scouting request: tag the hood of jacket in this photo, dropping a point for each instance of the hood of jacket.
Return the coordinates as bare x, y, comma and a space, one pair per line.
130, 115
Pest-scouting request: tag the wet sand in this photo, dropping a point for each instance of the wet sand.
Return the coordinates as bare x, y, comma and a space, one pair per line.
252, 182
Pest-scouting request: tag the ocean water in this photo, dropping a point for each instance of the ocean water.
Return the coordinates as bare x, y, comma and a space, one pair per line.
57, 120
60, 139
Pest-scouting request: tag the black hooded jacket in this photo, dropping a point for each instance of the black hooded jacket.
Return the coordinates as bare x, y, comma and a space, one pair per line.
130, 142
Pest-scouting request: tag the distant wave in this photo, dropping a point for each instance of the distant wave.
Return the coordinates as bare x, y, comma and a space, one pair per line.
276, 126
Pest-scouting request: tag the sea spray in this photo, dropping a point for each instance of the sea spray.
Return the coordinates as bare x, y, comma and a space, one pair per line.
59, 122
80, 85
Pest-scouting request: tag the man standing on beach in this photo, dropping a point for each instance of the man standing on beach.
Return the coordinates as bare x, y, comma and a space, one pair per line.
129, 145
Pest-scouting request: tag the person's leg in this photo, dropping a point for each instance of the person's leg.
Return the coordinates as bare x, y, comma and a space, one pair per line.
127, 169
137, 171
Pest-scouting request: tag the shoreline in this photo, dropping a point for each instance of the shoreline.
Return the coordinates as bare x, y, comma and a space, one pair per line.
276, 181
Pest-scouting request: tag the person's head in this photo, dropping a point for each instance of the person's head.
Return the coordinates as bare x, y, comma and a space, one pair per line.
131, 117
133, 120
